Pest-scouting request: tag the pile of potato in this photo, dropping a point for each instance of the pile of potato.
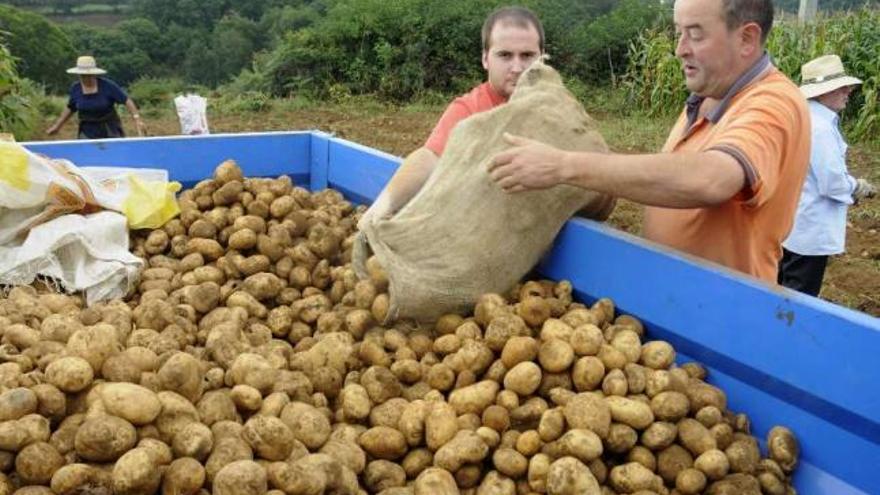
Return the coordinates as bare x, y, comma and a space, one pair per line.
249, 361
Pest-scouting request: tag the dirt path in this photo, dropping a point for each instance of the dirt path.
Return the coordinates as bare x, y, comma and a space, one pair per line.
853, 279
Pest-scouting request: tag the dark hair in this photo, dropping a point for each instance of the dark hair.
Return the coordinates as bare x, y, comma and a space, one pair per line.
518, 16
739, 12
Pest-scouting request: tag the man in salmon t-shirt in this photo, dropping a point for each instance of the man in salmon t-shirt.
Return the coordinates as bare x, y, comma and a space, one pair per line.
513, 38
726, 185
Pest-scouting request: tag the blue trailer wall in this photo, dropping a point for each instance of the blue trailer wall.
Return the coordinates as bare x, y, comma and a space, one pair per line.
782, 357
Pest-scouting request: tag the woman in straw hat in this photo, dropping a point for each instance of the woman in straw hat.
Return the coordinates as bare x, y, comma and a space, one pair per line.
94, 99
820, 224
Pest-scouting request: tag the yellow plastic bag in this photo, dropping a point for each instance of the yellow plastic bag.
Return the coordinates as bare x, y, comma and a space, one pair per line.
150, 203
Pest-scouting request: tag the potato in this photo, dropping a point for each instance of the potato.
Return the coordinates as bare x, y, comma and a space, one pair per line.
582, 444
630, 412
104, 438
161, 453
355, 401
306, 423
228, 193
465, 447
743, 455
183, 374
735, 484
381, 475
51, 402
208, 248
70, 374
628, 343
133, 403
555, 355
695, 437
621, 438
474, 398
569, 476
176, 414
632, 477
783, 447
435, 481
701, 394
16, 403
657, 354
534, 310
670, 406
587, 411
135, 473
615, 384
383, 442
194, 440
228, 171
270, 437
241, 478
37, 462
440, 425
73, 479
185, 476
347, 452
671, 461
713, 463
263, 286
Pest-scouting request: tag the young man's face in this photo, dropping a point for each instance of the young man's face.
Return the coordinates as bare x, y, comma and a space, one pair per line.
511, 50
710, 53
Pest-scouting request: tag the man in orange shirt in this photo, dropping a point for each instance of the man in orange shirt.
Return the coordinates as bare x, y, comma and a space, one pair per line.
726, 185
513, 38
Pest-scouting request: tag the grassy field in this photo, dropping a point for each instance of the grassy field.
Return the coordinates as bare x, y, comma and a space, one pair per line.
853, 279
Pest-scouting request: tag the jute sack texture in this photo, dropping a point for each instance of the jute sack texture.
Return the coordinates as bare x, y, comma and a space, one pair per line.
462, 236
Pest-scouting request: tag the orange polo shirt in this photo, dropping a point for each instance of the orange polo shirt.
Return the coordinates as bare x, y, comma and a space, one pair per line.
765, 125
479, 99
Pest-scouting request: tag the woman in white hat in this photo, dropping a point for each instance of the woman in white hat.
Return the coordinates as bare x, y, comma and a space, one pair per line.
819, 229
94, 100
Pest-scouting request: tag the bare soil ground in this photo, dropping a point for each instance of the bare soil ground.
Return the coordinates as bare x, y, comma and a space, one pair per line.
852, 279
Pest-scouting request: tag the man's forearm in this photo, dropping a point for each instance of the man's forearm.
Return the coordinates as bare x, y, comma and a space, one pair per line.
410, 177
672, 180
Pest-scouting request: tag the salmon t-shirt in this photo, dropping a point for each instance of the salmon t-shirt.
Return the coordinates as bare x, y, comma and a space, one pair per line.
765, 126
479, 99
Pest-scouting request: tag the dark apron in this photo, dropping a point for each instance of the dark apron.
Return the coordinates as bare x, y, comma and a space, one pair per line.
108, 125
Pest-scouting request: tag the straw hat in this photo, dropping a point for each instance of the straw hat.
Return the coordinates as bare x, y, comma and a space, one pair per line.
824, 75
86, 65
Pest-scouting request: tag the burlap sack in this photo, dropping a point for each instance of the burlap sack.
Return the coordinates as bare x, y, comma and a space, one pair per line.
462, 236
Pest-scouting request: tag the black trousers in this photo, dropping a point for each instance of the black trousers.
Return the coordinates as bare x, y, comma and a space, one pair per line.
802, 273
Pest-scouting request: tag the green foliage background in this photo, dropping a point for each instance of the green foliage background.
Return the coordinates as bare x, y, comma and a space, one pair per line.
19, 99
655, 83
43, 50
396, 50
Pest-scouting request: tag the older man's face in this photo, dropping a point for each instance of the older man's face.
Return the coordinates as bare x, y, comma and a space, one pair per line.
707, 49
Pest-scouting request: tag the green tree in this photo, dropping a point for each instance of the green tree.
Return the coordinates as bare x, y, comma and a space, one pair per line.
117, 51
44, 51
63, 6
146, 36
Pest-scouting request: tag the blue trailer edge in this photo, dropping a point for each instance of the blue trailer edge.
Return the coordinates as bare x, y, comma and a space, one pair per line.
781, 357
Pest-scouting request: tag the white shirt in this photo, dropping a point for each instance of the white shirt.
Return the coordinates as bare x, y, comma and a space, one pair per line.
820, 223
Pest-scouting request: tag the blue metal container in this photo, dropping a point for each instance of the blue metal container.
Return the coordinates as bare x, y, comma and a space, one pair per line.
781, 357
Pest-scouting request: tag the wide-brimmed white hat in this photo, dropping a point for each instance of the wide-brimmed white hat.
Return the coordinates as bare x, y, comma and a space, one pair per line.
824, 75
86, 65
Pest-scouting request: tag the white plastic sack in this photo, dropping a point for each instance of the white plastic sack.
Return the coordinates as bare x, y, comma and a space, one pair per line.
192, 111
86, 253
